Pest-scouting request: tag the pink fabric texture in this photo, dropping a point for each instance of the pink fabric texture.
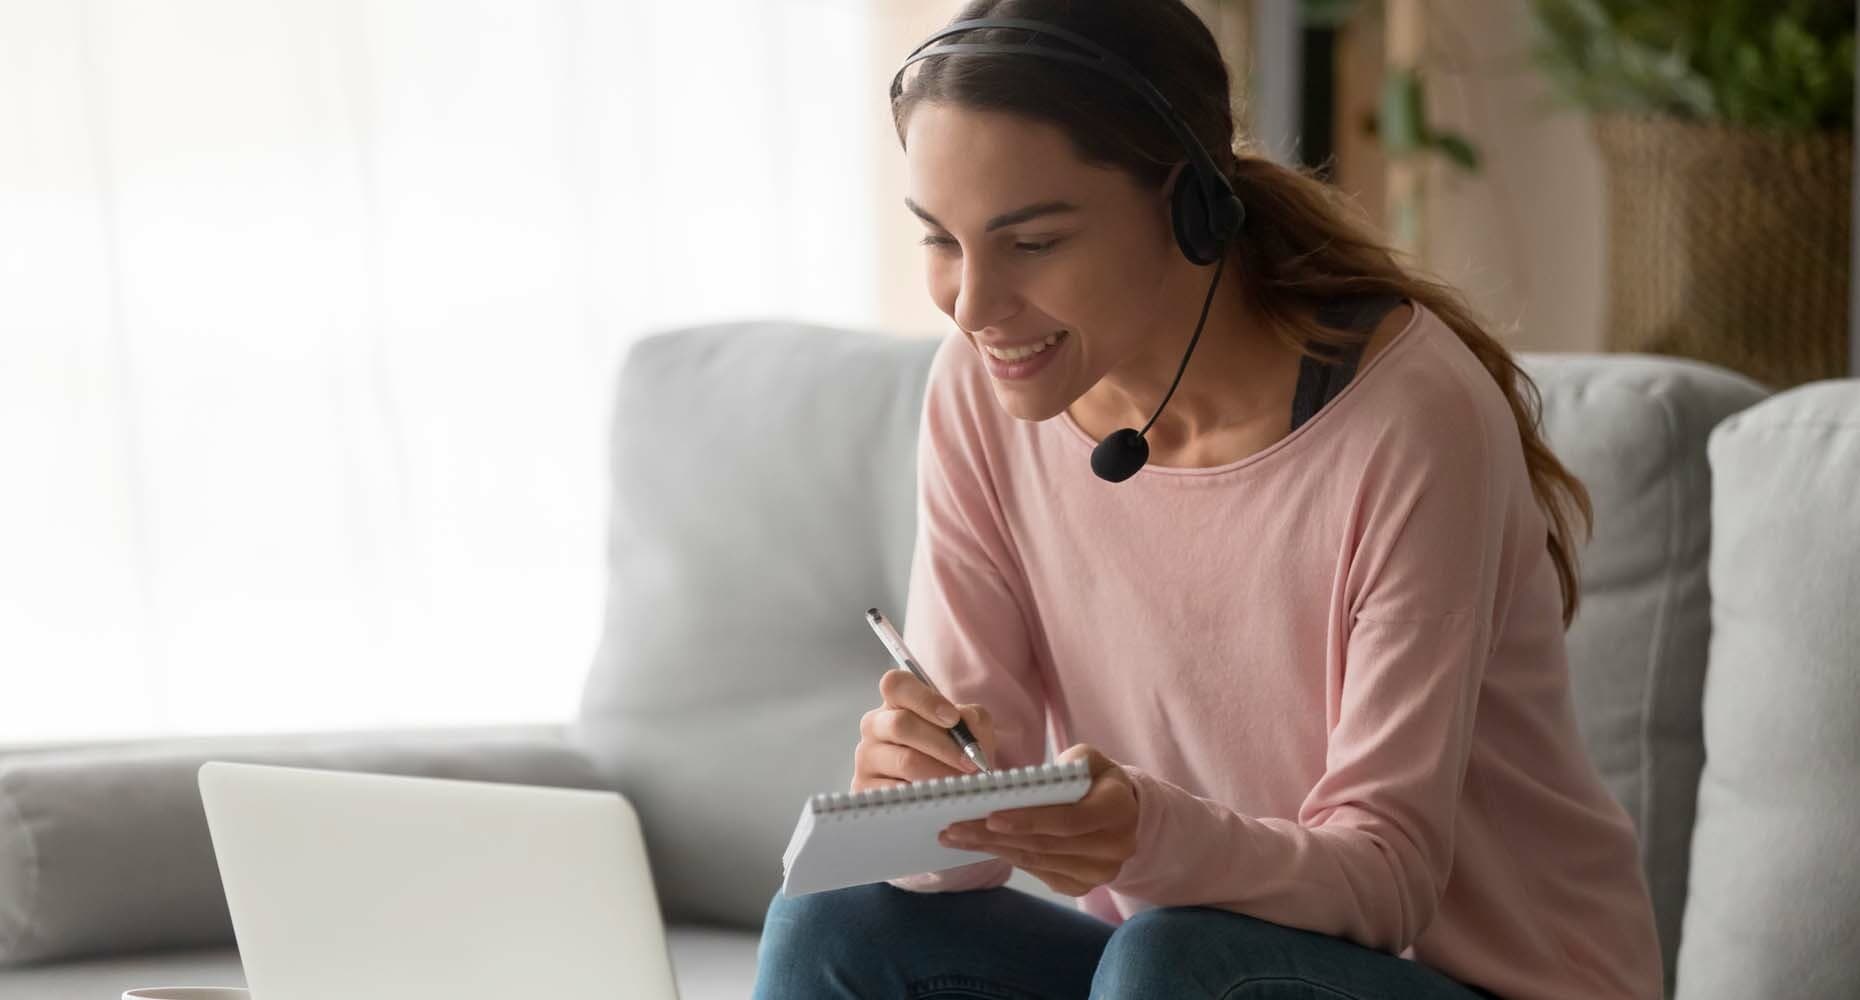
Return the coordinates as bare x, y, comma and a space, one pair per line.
1335, 670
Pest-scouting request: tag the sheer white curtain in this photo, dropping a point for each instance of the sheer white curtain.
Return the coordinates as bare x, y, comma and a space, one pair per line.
309, 311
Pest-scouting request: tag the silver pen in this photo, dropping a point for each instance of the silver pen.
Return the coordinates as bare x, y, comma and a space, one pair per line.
894, 643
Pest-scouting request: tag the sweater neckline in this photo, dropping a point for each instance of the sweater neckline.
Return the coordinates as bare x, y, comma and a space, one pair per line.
1322, 418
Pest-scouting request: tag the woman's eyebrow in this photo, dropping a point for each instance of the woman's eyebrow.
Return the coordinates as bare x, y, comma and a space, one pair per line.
1015, 217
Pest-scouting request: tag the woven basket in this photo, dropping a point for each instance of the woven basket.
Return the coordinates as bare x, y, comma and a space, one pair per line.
1729, 245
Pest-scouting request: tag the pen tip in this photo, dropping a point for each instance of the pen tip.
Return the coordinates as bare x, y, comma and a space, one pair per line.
871, 612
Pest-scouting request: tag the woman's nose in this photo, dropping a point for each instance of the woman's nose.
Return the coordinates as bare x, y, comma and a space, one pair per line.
982, 300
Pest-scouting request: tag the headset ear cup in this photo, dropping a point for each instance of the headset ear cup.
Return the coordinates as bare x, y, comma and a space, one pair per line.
1188, 211
1229, 216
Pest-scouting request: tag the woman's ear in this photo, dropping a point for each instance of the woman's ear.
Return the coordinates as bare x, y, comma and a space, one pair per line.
1166, 202
1169, 183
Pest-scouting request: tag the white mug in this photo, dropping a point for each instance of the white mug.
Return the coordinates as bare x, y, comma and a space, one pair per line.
186, 993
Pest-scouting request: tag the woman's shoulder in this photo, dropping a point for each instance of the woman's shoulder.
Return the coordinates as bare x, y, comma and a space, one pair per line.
1428, 391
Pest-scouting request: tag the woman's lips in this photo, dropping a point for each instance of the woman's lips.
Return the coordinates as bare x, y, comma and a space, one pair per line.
1025, 367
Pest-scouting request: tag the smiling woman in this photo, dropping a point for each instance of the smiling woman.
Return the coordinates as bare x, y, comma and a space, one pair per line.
1305, 624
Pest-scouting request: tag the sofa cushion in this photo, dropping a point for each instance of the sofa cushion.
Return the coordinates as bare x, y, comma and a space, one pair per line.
763, 496
106, 849
1775, 901
1633, 428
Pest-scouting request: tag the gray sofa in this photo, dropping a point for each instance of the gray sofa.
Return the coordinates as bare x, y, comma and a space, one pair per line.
762, 499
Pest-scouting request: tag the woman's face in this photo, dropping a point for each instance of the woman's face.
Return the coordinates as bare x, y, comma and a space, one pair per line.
1027, 248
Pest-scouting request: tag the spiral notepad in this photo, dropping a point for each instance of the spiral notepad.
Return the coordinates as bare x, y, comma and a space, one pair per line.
851, 838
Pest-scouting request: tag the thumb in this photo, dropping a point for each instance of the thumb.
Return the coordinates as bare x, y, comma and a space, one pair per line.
983, 726
1085, 751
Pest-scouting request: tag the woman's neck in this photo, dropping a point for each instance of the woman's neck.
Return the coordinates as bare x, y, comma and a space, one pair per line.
1235, 398
1236, 390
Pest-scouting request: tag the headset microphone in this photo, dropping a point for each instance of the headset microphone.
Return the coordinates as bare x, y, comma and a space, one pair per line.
1203, 209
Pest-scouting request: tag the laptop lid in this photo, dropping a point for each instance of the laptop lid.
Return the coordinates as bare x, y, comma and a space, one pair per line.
381, 887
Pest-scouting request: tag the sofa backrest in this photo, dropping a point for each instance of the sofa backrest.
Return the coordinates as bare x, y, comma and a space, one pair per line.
1633, 428
764, 485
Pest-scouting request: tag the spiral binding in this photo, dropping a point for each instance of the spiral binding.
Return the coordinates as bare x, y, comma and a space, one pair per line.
836, 803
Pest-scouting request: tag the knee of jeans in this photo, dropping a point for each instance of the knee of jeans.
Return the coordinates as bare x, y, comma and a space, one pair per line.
822, 926
1147, 953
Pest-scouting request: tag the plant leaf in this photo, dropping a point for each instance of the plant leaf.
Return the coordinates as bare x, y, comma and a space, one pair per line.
1456, 149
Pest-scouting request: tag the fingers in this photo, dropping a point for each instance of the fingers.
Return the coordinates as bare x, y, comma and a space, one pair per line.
905, 739
1071, 819
899, 743
1083, 872
1071, 874
1058, 881
901, 689
982, 726
898, 762
1072, 849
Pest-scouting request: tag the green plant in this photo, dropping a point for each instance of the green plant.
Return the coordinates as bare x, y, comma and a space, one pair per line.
1403, 127
1328, 13
1786, 64
1401, 122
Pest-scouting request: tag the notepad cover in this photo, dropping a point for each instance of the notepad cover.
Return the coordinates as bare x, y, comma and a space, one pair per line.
853, 839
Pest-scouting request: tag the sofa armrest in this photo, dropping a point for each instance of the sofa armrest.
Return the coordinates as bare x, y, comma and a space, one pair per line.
104, 847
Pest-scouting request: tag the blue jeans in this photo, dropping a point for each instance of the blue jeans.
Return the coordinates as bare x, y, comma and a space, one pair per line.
879, 942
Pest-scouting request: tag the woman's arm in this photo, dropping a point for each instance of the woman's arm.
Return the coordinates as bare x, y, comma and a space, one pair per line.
965, 615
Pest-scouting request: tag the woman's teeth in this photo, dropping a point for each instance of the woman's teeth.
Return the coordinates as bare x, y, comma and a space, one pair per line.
1023, 353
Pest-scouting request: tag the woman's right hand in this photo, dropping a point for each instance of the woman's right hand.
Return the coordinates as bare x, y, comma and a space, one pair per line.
902, 740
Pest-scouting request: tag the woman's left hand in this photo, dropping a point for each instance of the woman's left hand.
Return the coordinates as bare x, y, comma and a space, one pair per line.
1074, 847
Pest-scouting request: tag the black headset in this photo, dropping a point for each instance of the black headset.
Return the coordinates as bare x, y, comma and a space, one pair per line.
1203, 209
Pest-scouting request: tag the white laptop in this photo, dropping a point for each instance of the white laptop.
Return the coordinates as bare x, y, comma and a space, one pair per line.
376, 887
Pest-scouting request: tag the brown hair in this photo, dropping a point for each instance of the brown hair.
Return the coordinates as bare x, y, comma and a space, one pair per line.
1304, 242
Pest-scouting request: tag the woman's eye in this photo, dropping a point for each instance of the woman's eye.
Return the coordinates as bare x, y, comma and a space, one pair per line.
1031, 249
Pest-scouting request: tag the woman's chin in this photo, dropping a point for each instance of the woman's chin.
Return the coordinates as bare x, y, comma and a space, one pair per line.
1032, 406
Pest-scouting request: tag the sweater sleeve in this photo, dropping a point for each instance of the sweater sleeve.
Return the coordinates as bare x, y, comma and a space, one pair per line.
1368, 854
965, 613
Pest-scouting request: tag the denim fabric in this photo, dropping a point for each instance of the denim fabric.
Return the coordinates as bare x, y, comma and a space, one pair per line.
879, 942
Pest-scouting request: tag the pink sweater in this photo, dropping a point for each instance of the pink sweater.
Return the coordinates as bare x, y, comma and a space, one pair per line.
1335, 670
